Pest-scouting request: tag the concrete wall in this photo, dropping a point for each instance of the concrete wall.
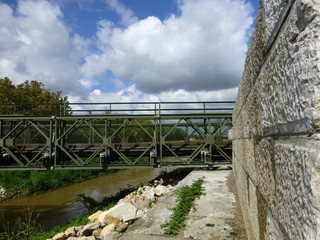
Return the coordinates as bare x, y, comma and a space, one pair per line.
276, 146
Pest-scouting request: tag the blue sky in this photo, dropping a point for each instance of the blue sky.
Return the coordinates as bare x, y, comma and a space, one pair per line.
128, 50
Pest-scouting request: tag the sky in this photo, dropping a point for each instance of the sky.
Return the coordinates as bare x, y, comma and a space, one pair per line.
128, 50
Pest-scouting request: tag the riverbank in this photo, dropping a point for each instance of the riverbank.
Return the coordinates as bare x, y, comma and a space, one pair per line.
216, 214
59, 206
18, 184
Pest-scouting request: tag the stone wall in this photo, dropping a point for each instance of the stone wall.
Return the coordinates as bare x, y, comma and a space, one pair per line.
276, 132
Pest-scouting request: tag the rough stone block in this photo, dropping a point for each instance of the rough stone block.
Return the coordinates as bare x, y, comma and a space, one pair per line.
294, 164
275, 12
265, 170
273, 231
276, 124
290, 74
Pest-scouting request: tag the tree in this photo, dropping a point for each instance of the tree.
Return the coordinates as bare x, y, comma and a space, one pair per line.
30, 98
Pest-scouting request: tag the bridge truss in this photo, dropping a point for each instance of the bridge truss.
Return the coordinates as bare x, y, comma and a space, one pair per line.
118, 135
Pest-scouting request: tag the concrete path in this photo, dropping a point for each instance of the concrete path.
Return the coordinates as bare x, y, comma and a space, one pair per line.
214, 216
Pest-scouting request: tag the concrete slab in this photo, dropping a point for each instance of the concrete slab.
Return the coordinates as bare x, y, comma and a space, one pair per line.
134, 236
213, 212
211, 219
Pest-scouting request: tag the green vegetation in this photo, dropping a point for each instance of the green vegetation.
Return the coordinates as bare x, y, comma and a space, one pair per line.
24, 227
185, 198
92, 206
23, 183
24, 99
27, 228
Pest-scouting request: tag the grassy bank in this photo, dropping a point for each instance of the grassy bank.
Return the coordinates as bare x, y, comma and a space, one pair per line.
26, 183
18, 231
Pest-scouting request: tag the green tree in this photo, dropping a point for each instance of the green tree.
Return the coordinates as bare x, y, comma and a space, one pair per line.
30, 98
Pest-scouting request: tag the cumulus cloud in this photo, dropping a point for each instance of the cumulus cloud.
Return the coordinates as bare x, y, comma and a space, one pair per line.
132, 94
201, 49
195, 55
36, 45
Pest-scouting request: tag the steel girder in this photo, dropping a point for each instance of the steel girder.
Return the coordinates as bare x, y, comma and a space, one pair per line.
114, 141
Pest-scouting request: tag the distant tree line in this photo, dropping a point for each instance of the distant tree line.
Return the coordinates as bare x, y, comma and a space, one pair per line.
30, 98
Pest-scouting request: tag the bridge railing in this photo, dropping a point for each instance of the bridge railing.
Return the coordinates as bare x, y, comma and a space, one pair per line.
120, 108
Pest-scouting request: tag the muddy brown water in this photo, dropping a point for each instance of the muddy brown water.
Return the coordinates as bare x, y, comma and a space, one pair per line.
57, 207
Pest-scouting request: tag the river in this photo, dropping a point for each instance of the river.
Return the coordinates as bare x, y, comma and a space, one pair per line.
57, 207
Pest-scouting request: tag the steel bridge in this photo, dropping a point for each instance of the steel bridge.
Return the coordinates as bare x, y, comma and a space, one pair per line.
116, 135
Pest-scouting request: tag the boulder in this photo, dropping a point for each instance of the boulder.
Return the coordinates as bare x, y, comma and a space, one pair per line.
109, 228
110, 236
108, 219
84, 238
118, 211
90, 238
94, 217
70, 232
89, 228
132, 215
97, 232
161, 190
149, 193
60, 236
141, 203
121, 226
78, 228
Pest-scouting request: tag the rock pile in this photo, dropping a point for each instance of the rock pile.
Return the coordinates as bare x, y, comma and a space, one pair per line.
103, 224
3, 192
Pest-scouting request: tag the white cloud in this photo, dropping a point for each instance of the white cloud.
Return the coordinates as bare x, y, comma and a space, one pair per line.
201, 49
197, 55
36, 45
127, 15
132, 94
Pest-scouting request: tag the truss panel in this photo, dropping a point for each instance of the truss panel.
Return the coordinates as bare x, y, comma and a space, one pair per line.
119, 138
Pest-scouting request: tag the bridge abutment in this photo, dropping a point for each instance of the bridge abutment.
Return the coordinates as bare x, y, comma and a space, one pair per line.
276, 146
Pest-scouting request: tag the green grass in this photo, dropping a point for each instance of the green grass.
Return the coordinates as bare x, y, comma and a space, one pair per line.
23, 228
185, 201
26, 227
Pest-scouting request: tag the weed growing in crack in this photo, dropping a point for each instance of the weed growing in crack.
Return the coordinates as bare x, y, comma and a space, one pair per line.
185, 201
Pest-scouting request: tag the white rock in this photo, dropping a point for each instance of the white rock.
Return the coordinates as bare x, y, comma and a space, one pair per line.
94, 217
149, 193
111, 227
161, 190
70, 232
118, 211
60, 236
107, 219
89, 228
141, 203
